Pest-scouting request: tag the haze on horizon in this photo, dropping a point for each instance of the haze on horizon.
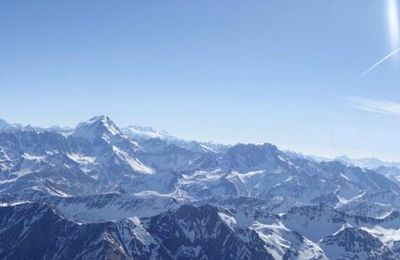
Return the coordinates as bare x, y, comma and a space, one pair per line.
315, 77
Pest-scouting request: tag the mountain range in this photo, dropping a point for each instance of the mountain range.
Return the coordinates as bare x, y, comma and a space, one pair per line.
98, 191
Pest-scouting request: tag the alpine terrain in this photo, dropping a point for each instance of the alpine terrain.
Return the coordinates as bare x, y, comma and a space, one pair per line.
99, 191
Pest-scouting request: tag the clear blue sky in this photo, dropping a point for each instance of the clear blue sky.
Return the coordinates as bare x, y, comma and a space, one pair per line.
280, 71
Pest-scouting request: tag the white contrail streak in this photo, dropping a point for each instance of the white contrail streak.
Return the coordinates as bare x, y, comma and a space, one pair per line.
375, 106
379, 63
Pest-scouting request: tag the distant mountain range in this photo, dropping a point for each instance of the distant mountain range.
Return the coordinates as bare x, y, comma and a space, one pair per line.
98, 191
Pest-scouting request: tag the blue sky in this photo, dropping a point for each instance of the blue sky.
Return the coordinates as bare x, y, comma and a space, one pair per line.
280, 71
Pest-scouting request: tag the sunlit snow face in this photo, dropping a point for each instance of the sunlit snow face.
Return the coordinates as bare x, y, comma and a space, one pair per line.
393, 19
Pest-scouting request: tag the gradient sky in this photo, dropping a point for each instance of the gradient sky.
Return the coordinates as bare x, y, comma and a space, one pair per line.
289, 72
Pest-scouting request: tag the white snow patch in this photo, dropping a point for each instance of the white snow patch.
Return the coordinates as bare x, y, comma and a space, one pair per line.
81, 159
33, 157
135, 164
229, 220
344, 177
15, 203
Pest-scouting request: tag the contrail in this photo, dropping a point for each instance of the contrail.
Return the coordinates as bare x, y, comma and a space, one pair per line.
378, 63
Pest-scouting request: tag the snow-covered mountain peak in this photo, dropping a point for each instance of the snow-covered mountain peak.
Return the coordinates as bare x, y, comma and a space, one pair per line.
356, 243
146, 132
254, 156
96, 127
104, 120
3, 124
369, 163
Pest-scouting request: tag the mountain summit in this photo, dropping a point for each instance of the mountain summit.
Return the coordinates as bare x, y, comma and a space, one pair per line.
99, 126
